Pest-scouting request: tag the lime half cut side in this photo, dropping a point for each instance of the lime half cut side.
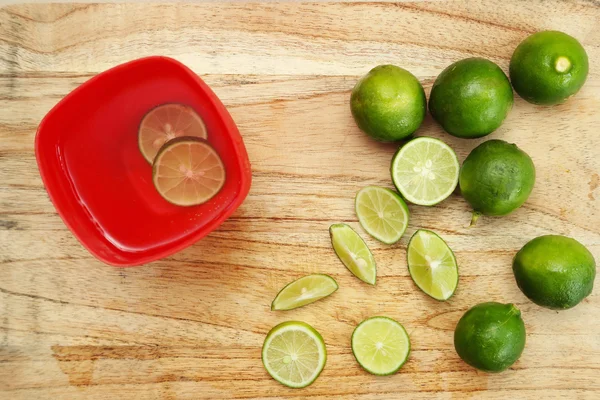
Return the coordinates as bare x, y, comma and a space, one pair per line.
382, 213
294, 354
432, 265
353, 252
380, 345
425, 171
303, 291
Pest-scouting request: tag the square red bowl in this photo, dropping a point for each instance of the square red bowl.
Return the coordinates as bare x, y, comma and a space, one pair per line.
87, 152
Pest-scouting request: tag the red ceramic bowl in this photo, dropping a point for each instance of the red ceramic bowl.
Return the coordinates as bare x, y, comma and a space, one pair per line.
88, 156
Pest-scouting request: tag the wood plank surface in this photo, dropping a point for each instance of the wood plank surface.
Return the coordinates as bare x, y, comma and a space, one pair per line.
192, 326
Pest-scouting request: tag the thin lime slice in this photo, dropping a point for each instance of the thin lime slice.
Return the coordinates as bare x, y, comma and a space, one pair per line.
303, 291
382, 213
167, 122
380, 345
353, 252
294, 354
432, 265
188, 171
425, 171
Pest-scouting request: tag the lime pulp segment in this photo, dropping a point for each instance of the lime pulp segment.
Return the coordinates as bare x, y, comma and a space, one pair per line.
294, 354
382, 213
380, 345
353, 252
432, 265
303, 291
425, 171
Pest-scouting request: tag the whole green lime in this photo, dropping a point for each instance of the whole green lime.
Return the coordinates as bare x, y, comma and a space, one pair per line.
490, 336
471, 98
496, 178
548, 67
388, 103
555, 271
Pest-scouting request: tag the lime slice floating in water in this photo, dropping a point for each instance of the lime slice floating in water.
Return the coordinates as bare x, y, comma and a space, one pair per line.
432, 265
382, 213
303, 291
353, 252
187, 171
425, 171
380, 345
294, 354
167, 122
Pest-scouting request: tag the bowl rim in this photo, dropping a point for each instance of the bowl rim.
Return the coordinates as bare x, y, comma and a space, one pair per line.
239, 148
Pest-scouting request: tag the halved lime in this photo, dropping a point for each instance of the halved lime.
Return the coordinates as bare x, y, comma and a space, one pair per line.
425, 171
432, 265
294, 354
380, 345
187, 171
382, 213
353, 252
167, 122
303, 291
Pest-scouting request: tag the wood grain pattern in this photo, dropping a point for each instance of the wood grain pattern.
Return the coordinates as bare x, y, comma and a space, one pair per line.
191, 326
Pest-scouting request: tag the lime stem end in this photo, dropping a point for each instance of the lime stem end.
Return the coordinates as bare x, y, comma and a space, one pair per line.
514, 310
562, 64
474, 218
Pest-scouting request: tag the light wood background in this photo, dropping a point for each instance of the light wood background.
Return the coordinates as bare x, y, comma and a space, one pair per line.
192, 326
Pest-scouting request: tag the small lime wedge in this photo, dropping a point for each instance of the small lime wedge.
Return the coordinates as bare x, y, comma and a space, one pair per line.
432, 265
380, 345
353, 252
294, 354
382, 213
303, 291
425, 171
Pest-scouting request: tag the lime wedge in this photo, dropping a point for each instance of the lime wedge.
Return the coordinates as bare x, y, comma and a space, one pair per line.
303, 291
432, 265
425, 171
353, 252
380, 345
294, 354
382, 213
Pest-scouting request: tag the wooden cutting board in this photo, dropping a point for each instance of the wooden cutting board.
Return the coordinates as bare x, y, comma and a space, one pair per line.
192, 326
